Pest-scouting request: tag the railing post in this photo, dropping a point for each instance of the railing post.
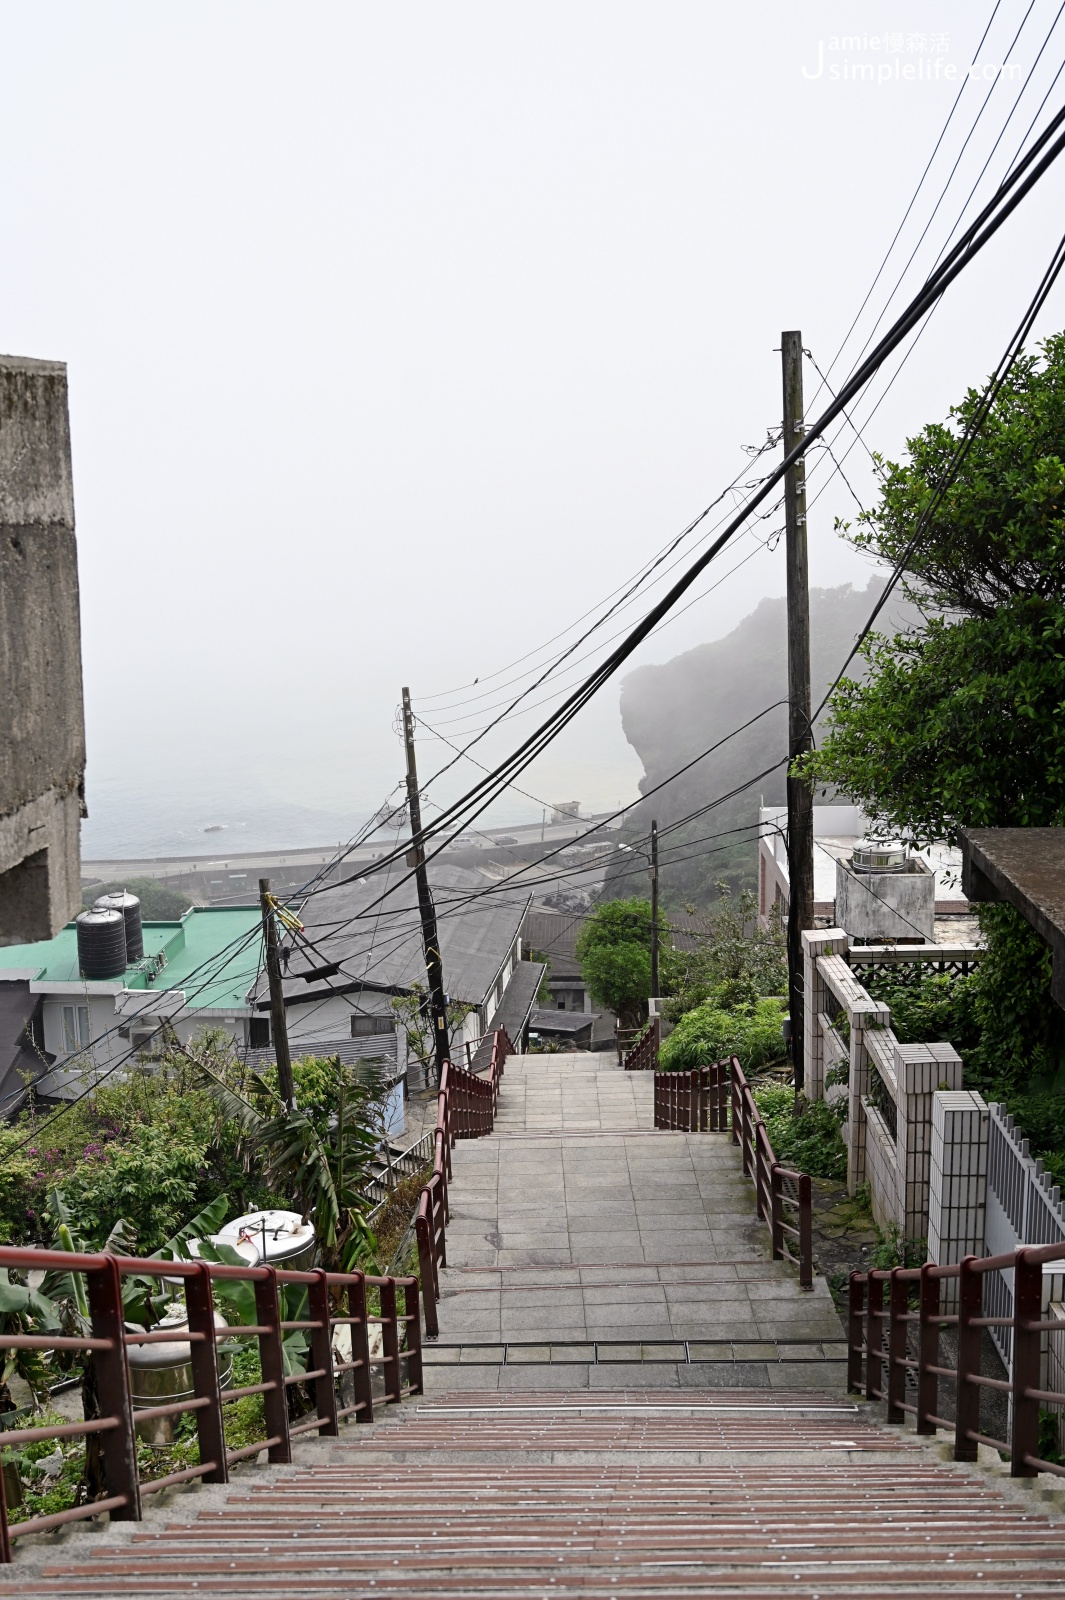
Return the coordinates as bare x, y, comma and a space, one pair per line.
5, 1537
390, 1342
806, 1232
855, 1308
704, 1099
272, 1361
1027, 1345
362, 1378
928, 1352
967, 1403
424, 1228
776, 1217
413, 1326
737, 1104
118, 1446
874, 1365
898, 1300
325, 1394
206, 1384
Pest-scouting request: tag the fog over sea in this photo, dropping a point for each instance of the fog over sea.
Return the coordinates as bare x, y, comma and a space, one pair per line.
127, 822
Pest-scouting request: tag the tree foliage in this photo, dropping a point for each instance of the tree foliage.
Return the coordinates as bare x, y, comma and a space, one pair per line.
752, 1032
733, 959
998, 533
960, 723
614, 950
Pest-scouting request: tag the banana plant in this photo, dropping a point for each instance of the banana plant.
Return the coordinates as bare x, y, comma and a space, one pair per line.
325, 1174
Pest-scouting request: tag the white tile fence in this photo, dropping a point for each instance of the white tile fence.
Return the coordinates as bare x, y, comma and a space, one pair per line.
1023, 1206
890, 1085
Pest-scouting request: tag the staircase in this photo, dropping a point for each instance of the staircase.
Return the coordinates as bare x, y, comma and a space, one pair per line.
628, 1398
745, 1494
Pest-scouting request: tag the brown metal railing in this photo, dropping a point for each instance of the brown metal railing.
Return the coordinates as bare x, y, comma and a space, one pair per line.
465, 1109
783, 1199
335, 1299
894, 1355
693, 1102
638, 1050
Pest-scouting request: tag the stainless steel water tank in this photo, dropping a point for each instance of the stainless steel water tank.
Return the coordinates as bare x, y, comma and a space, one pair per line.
880, 855
160, 1373
282, 1238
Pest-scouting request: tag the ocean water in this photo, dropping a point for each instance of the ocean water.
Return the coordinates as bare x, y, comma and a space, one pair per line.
124, 825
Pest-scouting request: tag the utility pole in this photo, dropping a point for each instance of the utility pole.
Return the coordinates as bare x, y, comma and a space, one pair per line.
800, 732
278, 1019
434, 966
655, 990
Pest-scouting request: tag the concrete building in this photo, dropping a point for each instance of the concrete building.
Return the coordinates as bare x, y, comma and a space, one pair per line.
66, 1029
837, 829
42, 746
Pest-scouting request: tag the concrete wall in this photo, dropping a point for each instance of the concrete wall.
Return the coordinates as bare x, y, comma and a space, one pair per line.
42, 744
877, 906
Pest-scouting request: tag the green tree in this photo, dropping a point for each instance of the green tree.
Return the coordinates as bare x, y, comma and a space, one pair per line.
614, 950
960, 724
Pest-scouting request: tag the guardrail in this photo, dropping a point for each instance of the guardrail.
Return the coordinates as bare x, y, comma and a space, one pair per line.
784, 1199
897, 1345
693, 1102
642, 1054
465, 1109
335, 1300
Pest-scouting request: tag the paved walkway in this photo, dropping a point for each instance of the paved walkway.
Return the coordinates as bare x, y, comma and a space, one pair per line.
584, 1240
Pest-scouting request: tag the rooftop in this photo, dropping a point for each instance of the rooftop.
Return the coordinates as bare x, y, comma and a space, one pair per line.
379, 947
1025, 867
209, 954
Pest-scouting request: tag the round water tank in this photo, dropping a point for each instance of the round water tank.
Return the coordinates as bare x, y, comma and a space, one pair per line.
130, 908
880, 855
101, 944
282, 1238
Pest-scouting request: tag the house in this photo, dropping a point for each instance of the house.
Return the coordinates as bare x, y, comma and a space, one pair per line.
196, 974
837, 830
357, 954
42, 742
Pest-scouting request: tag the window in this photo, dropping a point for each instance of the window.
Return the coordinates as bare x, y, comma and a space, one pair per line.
259, 1033
562, 1002
75, 1027
362, 1027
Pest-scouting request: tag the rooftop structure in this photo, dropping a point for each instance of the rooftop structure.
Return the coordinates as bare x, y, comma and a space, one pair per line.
1025, 868
196, 973
837, 830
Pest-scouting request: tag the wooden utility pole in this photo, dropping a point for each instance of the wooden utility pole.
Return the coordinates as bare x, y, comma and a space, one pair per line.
434, 966
655, 989
800, 732
278, 1019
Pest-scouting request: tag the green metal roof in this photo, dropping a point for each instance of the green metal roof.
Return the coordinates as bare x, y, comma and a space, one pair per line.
208, 953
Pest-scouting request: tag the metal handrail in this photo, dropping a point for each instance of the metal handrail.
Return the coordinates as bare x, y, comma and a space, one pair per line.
465, 1109
877, 1359
109, 1339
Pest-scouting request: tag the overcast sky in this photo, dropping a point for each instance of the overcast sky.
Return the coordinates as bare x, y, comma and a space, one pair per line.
399, 336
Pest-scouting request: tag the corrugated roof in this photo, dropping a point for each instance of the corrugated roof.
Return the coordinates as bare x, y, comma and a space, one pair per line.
382, 948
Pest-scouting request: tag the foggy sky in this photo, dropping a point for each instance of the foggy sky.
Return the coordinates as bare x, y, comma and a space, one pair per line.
400, 335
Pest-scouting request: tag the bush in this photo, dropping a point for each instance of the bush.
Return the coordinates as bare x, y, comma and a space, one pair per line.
710, 1033
810, 1142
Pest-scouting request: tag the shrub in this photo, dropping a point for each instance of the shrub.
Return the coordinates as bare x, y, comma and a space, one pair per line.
810, 1142
709, 1033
